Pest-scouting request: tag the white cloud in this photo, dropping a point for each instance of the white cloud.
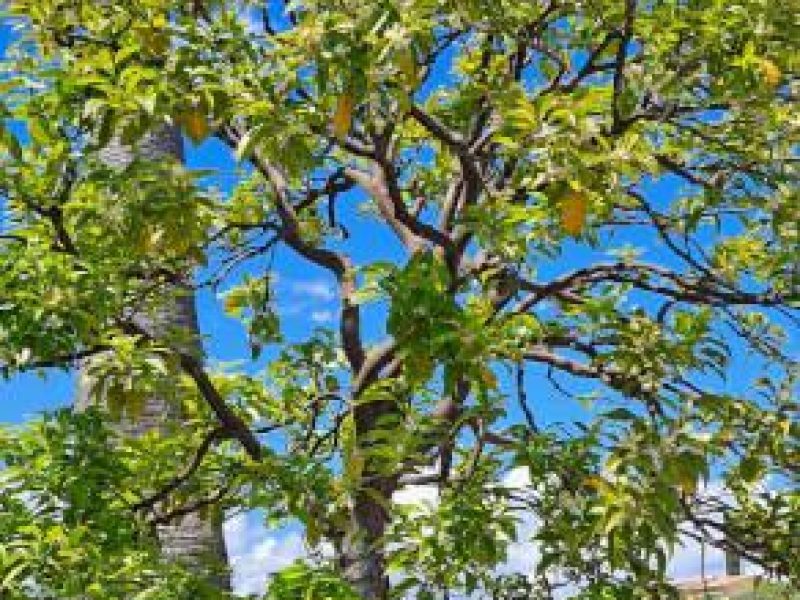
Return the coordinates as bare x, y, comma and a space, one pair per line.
523, 554
314, 289
419, 495
428, 494
255, 552
517, 478
688, 559
322, 316
691, 558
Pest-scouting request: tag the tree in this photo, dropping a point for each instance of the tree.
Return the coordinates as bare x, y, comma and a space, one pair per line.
601, 195
189, 538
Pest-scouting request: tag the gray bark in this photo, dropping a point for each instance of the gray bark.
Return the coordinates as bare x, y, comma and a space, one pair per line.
193, 540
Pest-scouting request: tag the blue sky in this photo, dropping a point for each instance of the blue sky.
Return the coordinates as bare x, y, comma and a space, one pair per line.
307, 299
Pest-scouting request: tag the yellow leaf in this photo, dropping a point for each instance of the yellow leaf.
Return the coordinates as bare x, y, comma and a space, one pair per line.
353, 469
233, 304
53, 297
343, 116
407, 65
573, 212
403, 103
159, 21
596, 482
152, 239
312, 532
196, 126
688, 483
155, 41
613, 519
770, 72
488, 378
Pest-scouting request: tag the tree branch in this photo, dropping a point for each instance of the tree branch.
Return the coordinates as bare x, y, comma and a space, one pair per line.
338, 264
216, 434
622, 51
192, 366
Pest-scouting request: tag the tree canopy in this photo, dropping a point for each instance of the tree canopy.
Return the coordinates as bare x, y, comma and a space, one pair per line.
520, 204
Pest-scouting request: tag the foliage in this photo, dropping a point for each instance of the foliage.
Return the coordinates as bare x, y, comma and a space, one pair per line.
599, 195
66, 521
768, 591
299, 582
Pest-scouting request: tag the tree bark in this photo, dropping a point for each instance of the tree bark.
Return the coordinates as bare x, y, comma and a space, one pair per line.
362, 554
363, 560
193, 540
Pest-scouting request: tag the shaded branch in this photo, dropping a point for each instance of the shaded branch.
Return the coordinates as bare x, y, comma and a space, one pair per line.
622, 51
192, 366
192, 507
216, 434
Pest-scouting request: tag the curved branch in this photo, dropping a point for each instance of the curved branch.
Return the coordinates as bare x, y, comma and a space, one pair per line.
338, 264
216, 434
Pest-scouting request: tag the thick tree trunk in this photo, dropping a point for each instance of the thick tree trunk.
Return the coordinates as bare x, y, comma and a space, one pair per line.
193, 540
362, 557
362, 553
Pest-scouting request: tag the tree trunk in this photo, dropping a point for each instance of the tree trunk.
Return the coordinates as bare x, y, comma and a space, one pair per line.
192, 540
362, 554
362, 559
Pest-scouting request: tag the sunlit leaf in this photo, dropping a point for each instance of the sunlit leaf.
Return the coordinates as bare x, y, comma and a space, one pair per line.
342, 116
573, 212
196, 126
